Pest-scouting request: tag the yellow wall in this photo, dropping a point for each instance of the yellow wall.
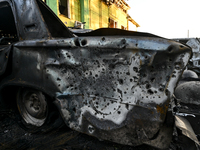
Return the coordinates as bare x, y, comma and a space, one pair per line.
99, 14
118, 15
94, 6
105, 15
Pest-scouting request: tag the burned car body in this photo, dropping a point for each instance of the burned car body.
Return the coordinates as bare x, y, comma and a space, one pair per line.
112, 84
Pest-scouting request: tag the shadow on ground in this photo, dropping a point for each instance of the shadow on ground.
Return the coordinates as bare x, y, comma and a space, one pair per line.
13, 137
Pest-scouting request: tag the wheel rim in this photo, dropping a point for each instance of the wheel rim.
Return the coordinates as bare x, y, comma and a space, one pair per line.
32, 106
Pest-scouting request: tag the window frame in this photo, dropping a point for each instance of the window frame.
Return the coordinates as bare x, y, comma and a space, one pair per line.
68, 9
115, 23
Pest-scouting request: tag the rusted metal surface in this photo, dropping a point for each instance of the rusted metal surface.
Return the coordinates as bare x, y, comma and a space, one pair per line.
112, 84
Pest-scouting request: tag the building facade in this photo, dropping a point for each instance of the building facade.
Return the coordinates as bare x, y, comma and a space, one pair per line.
94, 13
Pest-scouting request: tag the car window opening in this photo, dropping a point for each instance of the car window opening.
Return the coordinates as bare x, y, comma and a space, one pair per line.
8, 31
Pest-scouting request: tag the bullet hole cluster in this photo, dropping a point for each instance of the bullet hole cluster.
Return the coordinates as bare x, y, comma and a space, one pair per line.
104, 82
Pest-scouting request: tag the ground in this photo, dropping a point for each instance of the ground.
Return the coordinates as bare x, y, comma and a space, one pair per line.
13, 137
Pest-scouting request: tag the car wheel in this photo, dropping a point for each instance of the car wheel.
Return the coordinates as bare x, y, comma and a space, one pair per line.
32, 107
37, 112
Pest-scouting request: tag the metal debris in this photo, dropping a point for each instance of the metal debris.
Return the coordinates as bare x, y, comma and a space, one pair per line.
186, 128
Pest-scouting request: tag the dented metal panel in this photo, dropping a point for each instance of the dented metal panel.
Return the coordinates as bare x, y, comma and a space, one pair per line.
114, 88
111, 84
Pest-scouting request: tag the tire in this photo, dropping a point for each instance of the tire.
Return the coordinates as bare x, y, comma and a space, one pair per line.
36, 113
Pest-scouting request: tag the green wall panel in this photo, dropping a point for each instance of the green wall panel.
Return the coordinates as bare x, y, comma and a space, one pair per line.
85, 13
53, 5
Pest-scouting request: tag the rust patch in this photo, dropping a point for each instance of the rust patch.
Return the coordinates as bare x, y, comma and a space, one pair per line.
162, 110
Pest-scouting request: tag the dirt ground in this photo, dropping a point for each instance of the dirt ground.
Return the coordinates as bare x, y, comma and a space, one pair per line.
13, 137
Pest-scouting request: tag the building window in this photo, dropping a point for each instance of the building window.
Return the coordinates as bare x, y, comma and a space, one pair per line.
123, 27
64, 8
112, 23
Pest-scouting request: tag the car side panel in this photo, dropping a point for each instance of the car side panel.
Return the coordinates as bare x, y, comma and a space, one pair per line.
113, 88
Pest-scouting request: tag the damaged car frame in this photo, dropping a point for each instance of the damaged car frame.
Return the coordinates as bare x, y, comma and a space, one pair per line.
109, 83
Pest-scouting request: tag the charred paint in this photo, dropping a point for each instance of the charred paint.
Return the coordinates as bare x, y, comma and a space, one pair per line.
108, 83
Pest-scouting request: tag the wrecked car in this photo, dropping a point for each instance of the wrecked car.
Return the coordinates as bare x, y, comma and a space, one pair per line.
112, 84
